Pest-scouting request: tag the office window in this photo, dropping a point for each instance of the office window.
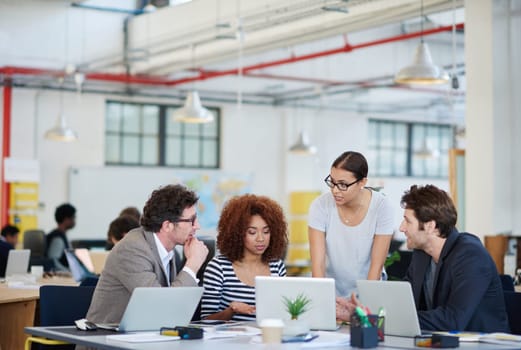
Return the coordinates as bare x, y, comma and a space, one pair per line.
145, 134
400, 149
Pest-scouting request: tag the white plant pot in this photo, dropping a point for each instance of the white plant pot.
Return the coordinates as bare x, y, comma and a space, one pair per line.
295, 327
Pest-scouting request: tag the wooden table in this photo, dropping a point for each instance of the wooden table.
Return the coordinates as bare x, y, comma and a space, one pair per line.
17, 310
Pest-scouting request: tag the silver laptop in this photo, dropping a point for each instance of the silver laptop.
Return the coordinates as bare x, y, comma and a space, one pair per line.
396, 298
17, 262
269, 293
151, 308
78, 269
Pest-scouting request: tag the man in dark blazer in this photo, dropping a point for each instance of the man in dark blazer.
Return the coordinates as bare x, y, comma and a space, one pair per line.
454, 280
143, 258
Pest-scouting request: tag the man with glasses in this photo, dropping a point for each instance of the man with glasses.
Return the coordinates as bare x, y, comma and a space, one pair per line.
144, 257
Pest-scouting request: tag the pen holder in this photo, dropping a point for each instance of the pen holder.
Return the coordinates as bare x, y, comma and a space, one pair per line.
367, 335
379, 322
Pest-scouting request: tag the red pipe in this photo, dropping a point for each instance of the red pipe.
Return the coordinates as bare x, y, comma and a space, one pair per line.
119, 78
203, 75
6, 152
346, 48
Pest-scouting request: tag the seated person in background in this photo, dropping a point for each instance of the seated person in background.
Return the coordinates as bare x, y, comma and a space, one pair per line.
131, 211
454, 280
143, 258
118, 228
8, 241
56, 240
252, 239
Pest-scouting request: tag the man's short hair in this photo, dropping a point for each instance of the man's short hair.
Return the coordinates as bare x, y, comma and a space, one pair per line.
121, 225
131, 211
166, 203
63, 212
10, 230
431, 203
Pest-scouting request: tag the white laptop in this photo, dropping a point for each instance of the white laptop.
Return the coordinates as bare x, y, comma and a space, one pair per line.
151, 308
396, 298
269, 293
17, 262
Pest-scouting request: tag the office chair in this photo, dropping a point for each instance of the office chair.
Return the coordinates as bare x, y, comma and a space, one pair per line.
61, 306
35, 241
513, 305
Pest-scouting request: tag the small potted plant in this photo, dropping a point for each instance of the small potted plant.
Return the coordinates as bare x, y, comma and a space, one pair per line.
295, 308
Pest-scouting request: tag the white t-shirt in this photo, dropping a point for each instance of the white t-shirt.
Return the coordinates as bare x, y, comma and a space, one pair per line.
348, 248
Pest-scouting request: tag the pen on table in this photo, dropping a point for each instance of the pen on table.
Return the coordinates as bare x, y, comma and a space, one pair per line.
381, 315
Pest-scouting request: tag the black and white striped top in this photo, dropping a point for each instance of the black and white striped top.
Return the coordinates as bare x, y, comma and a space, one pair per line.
221, 287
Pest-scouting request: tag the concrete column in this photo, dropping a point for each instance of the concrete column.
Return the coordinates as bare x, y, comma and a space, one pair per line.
492, 55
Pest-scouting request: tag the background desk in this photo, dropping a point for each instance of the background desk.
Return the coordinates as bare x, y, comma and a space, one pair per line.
89, 339
17, 310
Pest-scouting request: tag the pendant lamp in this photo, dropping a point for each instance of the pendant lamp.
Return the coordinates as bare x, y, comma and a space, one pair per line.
302, 146
61, 132
426, 152
192, 111
422, 71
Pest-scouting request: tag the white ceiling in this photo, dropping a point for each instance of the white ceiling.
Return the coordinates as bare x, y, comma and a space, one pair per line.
202, 36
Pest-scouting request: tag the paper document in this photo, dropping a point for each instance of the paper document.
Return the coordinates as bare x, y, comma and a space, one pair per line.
145, 337
501, 338
328, 339
463, 336
230, 331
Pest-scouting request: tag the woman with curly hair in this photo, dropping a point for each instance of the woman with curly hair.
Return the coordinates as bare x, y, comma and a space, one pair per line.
252, 239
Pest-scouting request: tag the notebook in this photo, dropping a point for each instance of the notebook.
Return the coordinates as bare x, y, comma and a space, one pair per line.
151, 308
269, 293
17, 262
78, 269
396, 298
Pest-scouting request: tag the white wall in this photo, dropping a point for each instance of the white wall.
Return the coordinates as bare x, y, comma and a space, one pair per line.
254, 140
52, 33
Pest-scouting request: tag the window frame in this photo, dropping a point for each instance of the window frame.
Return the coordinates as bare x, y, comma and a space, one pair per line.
376, 149
162, 137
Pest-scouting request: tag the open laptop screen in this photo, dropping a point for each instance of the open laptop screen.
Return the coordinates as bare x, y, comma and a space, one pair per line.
17, 262
396, 298
270, 293
151, 308
78, 270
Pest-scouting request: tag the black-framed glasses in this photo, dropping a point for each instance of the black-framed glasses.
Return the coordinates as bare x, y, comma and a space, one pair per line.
190, 220
340, 185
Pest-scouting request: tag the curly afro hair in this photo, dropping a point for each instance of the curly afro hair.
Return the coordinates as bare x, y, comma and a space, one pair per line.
166, 203
235, 220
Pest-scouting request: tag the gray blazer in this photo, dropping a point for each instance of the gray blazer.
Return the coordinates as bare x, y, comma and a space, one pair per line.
133, 262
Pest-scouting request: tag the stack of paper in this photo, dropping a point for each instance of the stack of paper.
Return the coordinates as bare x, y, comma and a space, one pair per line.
143, 337
501, 338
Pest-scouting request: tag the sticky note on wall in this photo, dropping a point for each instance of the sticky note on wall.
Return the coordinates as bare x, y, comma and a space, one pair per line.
299, 202
298, 231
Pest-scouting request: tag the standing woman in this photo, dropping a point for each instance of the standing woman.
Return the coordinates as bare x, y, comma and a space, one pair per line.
351, 227
252, 239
